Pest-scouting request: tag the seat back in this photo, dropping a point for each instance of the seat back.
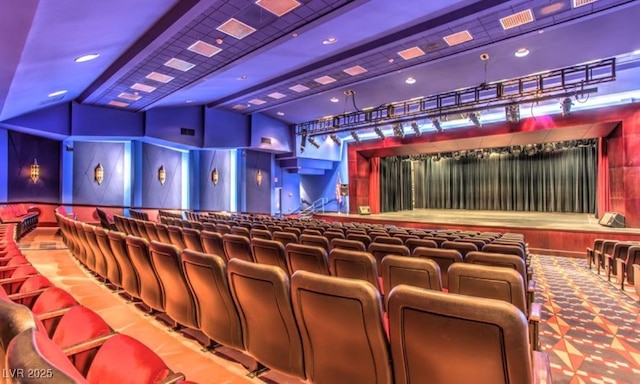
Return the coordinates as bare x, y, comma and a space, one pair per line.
331, 310
380, 250
489, 282
260, 234
354, 265
499, 260
52, 299
152, 233
363, 237
389, 240
315, 241
223, 229
178, 299
191, 239
307, 258
212, 244
269, 252
163, 233
505, 249
454, 339
129, 276
113, 269
151, 291
412, 244
142, 229
285, 237
443, 257
237, 247
460, 246
206, 275
14, 318
175, 235
417, 272
270, 334
353, 245
240, 231
99, 266
633, 258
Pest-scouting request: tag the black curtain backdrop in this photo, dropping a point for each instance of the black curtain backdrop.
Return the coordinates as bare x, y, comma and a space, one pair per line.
560, 181
395, 184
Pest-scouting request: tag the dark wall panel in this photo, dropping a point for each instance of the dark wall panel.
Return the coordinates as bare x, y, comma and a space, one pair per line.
22, 150
154, 194
91, 120
223, 129
166, 124
215, 198
258, 197
86, 156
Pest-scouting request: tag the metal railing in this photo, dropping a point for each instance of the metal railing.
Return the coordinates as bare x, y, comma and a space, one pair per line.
314, 207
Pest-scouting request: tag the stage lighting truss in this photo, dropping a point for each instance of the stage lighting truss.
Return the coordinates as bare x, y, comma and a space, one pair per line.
355, 136
512, 113
474, 118
313, 142
564, 84
436, 124
416, 128
335, 139
398, 131
379, 132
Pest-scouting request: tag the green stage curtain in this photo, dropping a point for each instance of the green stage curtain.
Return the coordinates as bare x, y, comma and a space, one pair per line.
559, 181
395, 185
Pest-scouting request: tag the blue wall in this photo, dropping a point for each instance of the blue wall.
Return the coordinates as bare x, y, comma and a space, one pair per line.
86, 157
166, 124
279, 133
154, 194
55, 120
89, 120
224, 129
258, 197
215, 198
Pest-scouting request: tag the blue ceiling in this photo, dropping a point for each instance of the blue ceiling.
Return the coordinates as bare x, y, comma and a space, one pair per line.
281, 67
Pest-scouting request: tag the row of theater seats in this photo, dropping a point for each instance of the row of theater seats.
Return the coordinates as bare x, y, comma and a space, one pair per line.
328, 329
47, 337
619, 259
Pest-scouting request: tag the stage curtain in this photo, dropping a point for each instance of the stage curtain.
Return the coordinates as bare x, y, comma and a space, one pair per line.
604, 198
559, 181
395, 185
374, 185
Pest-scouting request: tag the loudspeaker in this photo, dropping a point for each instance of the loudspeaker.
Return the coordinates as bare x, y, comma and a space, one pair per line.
612, 219
364, 210
344, 189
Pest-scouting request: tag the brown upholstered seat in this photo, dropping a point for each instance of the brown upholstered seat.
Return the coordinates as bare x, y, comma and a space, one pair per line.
269, 330
507, 249
260, 233
178, 299
237, 247
307, 258
330, 235
414, 271
454, 339
285, 237
113, 269
389, 240
412, 244
269, 252
191, 239
129, 276
175, 235
212, 244
380, 250
311, 231
619, 252
625, 267
207, 278
460, 246
443, 257
223, 229
142, 229
342, 330
362, 237
163, 233
152, 233
591, 252
354, 265
94, 255
151, 291
314, 240
240, 231
353, 245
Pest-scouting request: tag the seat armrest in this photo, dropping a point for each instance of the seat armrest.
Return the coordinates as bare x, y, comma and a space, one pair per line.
18, 297
53, 314
84, 346
172, 378
531, 286
13, 280
541, 368
7, 268
535, 312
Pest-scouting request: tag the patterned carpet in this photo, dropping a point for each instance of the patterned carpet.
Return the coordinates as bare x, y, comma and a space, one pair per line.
590, 329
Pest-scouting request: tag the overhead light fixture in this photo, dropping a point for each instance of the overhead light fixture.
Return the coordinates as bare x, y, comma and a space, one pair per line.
512, 113
330, 40
378, 132
215, 177
280, 113
313, 142
303, 141
410, 80
436, 125
334, 99
354, 134
474, 117
58, 93
398, 131
416, 128
35, 171
162, 175
516, 150
98, 173
566, 106
522, 52
335, 138
89, 57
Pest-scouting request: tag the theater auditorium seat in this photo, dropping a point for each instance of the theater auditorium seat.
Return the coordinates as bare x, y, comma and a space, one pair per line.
460, 246
129, 275
452, 339
626, 266
380, 250
163, 233
269, 330
362, 237
175, 235
443, 257
237, 247
333, 313
389, 240
212, 244
315, 241
285, 237
260, 234
269, 252
14, 319
353, 245
306, 258
113, 269
354, 265
151, 291
191, 239
151, 230
417, 272
51, 300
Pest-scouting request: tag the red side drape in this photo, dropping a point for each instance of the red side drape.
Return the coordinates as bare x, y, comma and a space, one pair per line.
374, 185
603, 202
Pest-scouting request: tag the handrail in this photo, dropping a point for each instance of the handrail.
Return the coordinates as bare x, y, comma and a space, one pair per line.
311, 209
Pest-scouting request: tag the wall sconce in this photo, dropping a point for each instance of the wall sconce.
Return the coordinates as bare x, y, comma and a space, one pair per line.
259, 177
162, 175
98, 174
35, 171
214, 176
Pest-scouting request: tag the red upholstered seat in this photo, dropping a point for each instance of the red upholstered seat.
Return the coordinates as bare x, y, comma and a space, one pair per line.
52, 299
31, 284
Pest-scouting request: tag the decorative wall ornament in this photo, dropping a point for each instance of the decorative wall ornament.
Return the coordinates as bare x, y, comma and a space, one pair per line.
35, 171
214, 176
259, 177
162, 175
98, 173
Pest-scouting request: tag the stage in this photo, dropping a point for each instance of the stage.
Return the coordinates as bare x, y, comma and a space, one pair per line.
562, 234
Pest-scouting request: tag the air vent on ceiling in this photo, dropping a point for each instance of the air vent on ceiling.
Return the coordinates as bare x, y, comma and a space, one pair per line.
180, 65
517, 19
235, 28
411, 53
204, 49
324, 80
278, 7
432, 47
143, 87
265, 140
277, 95
458, 38
580, 3
355, 70
299, 88
187, 131
159, 77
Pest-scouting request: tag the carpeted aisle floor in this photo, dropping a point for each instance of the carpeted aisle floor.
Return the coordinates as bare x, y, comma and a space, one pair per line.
590, 329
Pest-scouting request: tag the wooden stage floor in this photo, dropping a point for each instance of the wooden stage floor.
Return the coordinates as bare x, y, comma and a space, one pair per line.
566, 234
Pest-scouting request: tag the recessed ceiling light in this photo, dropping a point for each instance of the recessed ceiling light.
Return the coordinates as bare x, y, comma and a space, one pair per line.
324, 80
143, 87
189, 101
129, 96
257, 101
280, 113
458, 38
551, 8
277, 95
330, 40
391, 60
88, 57
517, 19
279, 7
411, 53
636, 52
410, 80
204, 49
159, 77
299, 88
118, 103
355, 70
580, 3
239, 107
58, 93
180, 65
334, 99
236, 28
242, 78
522, 52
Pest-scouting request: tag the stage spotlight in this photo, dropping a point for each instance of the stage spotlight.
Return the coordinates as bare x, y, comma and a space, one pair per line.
335, 138
398, 131
313, 142
436, 125
512, 113
416, 128
474, 117
303, 141
480, 154
566, 106
548, 147
516, 150
379, 132
530, 149
354, 134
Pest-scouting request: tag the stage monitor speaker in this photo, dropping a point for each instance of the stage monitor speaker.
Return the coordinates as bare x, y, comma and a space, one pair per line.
612, 219
364, 210
344, 189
